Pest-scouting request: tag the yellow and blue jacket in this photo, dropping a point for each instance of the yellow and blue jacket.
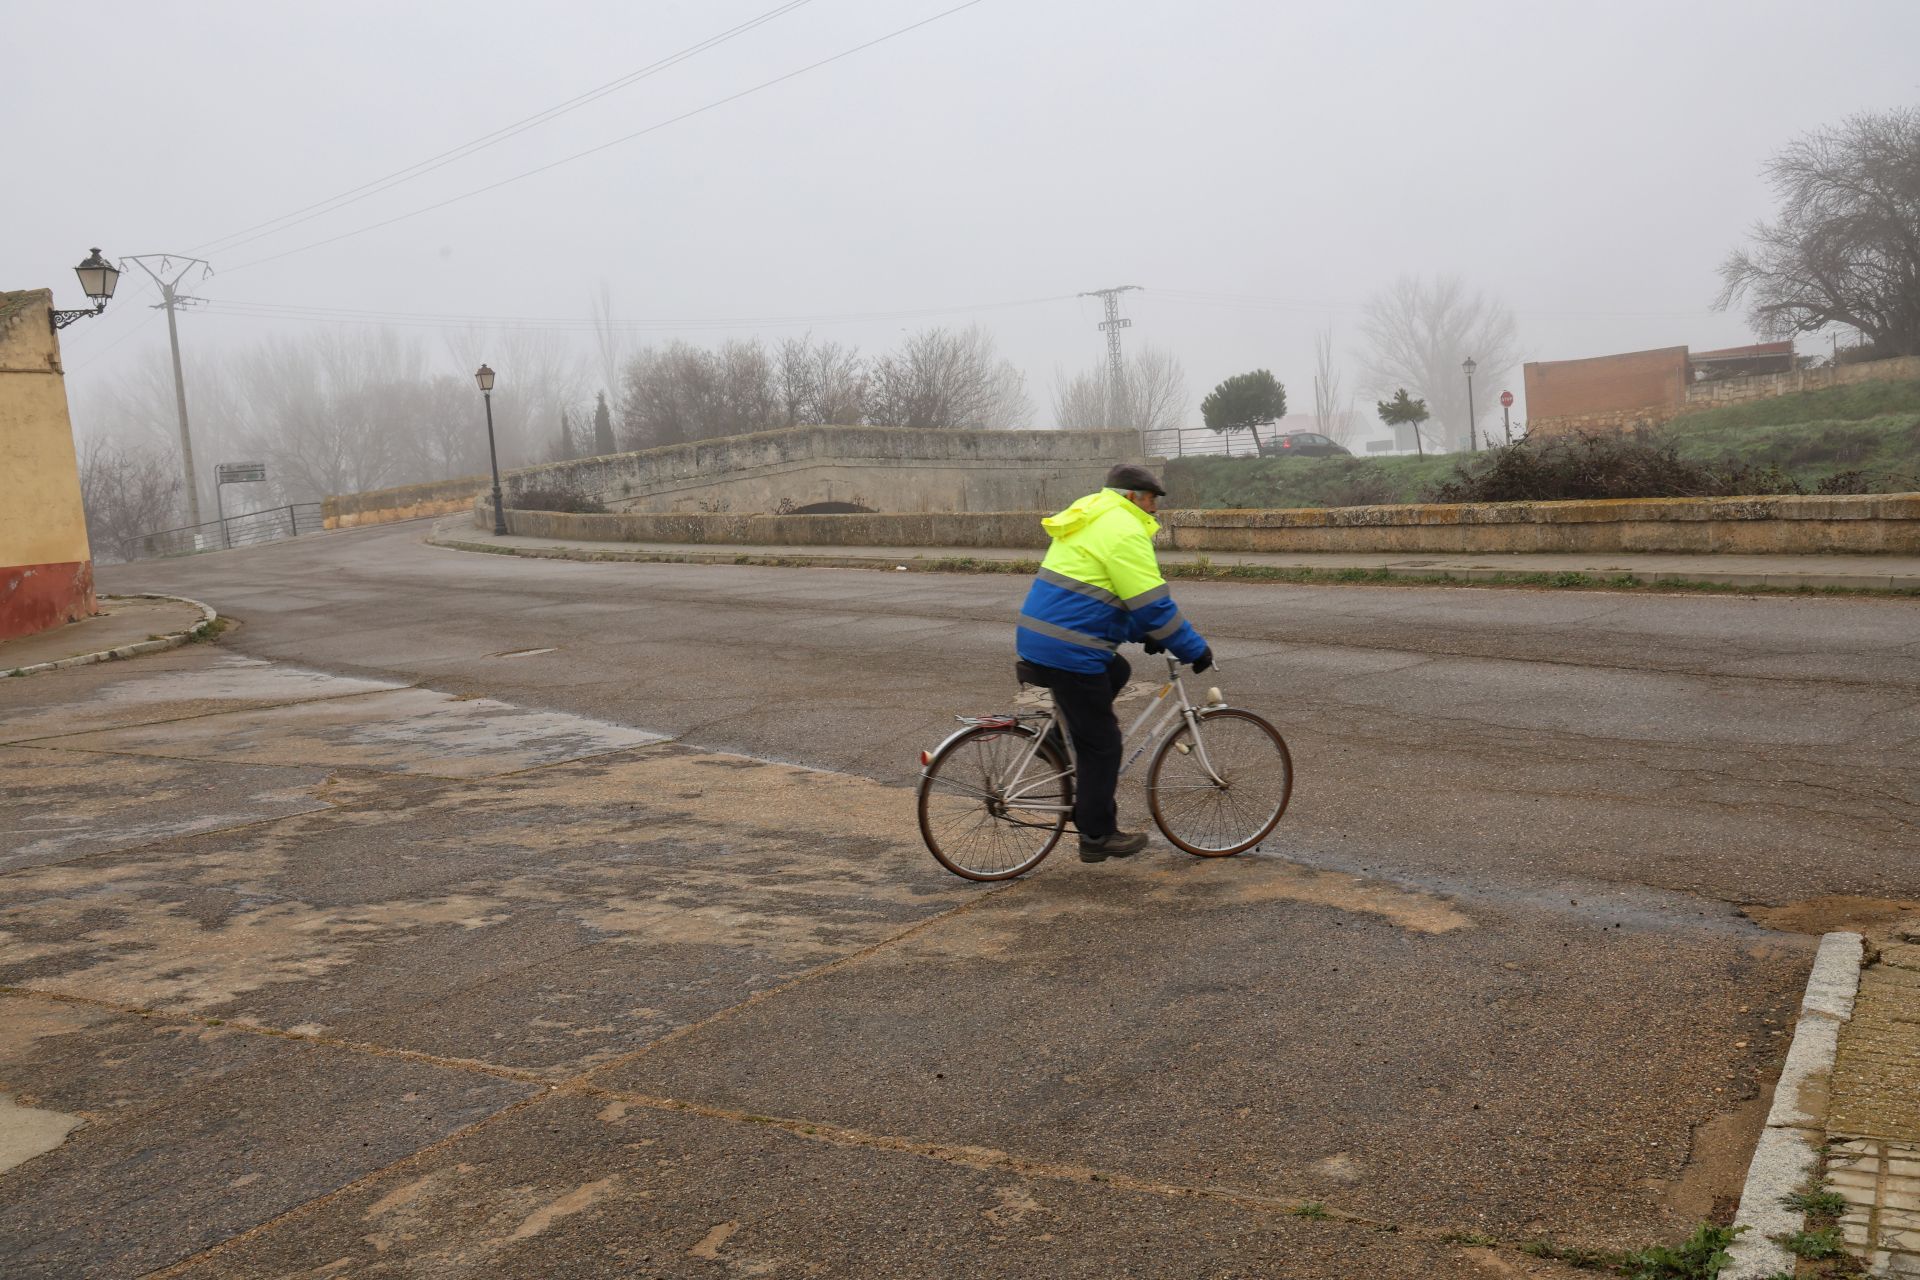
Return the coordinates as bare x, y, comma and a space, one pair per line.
1099, 588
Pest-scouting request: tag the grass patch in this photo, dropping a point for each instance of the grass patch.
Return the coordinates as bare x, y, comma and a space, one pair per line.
1817, 1204
1217, 483
1861, 438
1701, 1256
1814, 1246
209, 630
1310, 1209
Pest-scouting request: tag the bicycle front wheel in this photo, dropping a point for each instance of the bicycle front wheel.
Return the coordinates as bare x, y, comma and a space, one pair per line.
1221, 792
992, 806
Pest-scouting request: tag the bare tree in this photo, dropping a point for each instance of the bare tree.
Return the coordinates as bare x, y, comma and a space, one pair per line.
678, 393
1333, 412
1846, 249
947, 378
1152, 395
822, 384
128, 490
1418, 333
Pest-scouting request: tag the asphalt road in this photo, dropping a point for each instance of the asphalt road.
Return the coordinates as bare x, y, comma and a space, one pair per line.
467, 978
1741, 749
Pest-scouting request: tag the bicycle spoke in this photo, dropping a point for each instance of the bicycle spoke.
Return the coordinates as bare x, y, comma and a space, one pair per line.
1254, 778
967, 817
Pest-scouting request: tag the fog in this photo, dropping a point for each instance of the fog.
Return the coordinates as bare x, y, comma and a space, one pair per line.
1260, 171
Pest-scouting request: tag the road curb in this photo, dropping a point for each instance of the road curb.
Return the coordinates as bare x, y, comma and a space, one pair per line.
1786, 1155
172, 640
956, 560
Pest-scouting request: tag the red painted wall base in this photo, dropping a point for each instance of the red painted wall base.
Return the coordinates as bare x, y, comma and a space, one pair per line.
36, 597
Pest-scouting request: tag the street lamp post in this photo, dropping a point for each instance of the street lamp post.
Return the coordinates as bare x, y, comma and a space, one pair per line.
1473, 439
97, 278
484, 376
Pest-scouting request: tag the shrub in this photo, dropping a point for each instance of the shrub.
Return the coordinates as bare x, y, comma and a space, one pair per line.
1639, 464
557, 498
1632, 465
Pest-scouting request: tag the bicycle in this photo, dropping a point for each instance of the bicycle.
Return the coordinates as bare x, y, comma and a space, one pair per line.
1218, 783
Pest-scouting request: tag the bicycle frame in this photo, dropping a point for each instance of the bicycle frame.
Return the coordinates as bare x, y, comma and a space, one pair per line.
1134, 744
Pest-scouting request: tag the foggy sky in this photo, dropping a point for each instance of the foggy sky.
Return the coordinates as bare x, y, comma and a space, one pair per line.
1590, 165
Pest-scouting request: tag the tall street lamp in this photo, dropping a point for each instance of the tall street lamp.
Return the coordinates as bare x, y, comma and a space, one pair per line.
484, 376
97, 278
1473, 439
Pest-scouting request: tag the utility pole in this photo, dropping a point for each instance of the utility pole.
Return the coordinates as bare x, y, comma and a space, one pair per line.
1116, 366
170, 297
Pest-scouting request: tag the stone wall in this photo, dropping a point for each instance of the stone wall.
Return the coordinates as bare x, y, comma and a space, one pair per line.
886, 469
1707, 395
46, 566
1873, 523
928, 529
403, 502
1863, 524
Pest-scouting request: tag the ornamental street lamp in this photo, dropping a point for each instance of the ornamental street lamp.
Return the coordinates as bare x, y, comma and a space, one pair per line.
1473, 439
484, 376
97, 279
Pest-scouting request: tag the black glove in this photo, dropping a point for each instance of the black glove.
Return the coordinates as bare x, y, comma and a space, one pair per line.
1153, 646
1202, 662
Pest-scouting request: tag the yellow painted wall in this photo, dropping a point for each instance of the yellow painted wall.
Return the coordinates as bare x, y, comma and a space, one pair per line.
41, 519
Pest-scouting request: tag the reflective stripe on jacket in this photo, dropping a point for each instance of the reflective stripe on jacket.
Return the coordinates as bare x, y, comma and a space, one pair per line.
1099, 588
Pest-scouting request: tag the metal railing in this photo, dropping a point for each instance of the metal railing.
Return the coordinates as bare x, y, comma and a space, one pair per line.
1187, 442
248, 529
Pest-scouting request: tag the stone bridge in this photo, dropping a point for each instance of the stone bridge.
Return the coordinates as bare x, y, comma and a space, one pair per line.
820, 470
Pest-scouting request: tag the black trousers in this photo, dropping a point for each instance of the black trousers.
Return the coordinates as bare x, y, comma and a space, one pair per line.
1086, 700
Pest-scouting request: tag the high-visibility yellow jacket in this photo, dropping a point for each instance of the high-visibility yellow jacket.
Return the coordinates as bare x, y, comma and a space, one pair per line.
1100, 587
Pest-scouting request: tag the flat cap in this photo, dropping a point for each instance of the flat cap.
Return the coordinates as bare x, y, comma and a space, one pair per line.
1134, 478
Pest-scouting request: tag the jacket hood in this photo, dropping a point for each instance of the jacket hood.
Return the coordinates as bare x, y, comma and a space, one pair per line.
1090, 508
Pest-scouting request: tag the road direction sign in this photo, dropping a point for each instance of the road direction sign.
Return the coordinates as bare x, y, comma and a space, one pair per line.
1506, 399
241, 472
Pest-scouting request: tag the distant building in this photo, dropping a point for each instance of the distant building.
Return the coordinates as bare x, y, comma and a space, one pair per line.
1641, 388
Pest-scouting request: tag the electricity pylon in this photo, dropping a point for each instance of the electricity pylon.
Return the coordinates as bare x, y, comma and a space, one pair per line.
170, 298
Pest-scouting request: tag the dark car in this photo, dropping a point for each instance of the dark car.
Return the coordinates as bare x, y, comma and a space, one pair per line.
1303, 444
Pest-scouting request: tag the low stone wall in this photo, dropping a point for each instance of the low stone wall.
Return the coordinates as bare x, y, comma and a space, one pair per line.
1872, 523
403, 502
1865, 524
924, 529
1764, 386
888, 469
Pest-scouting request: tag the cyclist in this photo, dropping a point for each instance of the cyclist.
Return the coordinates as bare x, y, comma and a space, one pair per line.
1098, 588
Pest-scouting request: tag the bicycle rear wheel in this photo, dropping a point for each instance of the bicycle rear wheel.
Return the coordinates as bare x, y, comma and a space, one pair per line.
1231, 806
982, 822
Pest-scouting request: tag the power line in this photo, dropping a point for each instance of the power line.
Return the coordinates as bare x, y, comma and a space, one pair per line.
638, 133
353, 195
417, 319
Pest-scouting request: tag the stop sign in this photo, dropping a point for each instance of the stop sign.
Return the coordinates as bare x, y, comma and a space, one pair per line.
1506, 399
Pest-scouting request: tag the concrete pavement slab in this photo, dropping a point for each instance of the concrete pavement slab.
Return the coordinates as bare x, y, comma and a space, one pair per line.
408, 730
551, 920
1252, 1024
192, 1133
171, 686
59, 805
590, 1187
